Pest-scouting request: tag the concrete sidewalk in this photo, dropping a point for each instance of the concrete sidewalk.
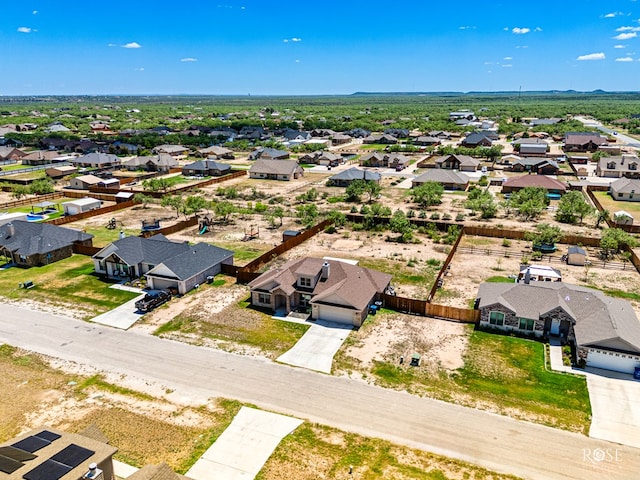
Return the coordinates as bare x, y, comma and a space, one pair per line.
121, 317
243, 448
317, 347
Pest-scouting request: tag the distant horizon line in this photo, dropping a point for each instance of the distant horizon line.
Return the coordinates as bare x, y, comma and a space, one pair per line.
358, 93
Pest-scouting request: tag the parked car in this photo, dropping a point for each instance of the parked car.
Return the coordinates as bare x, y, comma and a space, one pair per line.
153, 299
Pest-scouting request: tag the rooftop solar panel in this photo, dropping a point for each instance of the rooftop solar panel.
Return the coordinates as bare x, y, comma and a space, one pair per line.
72, 455
47, 435
48, 470
9, 465
16, 454
31, 444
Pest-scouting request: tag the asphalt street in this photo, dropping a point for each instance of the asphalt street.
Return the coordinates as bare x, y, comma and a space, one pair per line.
496, 442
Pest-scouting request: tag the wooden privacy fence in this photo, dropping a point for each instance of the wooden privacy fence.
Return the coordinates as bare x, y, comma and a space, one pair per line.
610, 222
437, 283
91, 213
176, 227
425, 308
89, 250
29, 201
83, 194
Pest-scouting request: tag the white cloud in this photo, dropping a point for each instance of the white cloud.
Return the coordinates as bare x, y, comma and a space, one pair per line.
189, 59
488, 63
522, 46
141, 69
506, 29
624, 59
628, 29
619, 46
297, 61
520, 31
25, 29
537, 29
507, 65
132, 45
35, 12
613, 14
626, 36
294, 39
592, 56
467, 27
508, 58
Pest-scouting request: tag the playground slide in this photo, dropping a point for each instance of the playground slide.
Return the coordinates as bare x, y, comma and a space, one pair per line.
204, 230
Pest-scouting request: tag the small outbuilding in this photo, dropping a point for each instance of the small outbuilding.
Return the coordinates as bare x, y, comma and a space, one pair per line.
81, 205
576, 256
622, 217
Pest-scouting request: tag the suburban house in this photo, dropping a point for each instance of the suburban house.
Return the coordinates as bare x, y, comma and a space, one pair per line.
268, 154
604, 329
462, 114
477, 139
80, 205
531, 146
340, 139
331, 290
464, 163
344, 178
541, 166
83, 182
625, 189
60, 171
11, 153
50, 454
276, 169
97, 160
551, 185
206, 168
327, 159
615, 167
166, 264
30, 244
163, 162
173, 150
449, 179
216, 152
385, 160
426, 141
583, 141
576, 256
40, 157
381, 138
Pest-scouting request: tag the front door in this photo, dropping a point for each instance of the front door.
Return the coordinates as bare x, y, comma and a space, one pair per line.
555, 326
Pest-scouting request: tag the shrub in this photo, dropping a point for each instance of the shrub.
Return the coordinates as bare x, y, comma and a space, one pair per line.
435, 216
506, 242
459, 217
446, 216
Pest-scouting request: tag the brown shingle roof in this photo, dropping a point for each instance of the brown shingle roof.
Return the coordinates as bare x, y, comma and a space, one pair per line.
161, 471
542, 181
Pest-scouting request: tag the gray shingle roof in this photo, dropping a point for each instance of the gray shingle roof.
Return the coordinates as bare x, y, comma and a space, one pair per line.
356, 174
625, 185
197, 259
97, 159
27, 238
134, 250
280, 167
206, 165
442, 176
600, 320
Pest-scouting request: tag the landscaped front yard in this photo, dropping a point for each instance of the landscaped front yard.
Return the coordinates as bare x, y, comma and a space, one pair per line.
69, 284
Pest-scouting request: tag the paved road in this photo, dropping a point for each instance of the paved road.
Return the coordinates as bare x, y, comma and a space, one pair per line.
495, 442
621, 138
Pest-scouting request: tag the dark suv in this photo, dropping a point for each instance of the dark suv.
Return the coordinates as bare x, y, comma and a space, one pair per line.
153, 299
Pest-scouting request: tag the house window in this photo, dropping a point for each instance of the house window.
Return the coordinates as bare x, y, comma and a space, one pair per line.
264, 298
496, 318
305, 282
619, 195
526, 324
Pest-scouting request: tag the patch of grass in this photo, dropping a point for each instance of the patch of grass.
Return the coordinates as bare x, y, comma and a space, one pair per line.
499, 279
314, 451
70, 281
403, 274
621, 294
243, 253
98, 382
102, 236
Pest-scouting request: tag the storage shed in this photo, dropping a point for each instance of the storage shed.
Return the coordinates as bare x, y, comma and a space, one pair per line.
576, 256
80, 205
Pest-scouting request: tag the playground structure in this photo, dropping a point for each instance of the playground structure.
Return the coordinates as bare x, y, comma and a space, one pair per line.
150, 225
203, 225
253, 233
112, 224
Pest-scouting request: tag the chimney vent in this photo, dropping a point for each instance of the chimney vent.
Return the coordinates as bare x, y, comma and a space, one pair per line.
325, 271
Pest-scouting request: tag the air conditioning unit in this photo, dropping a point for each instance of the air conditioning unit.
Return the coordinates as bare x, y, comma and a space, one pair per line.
94, 473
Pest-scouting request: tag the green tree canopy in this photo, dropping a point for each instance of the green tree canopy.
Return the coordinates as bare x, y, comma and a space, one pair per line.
428, 194
529, 202
572, 207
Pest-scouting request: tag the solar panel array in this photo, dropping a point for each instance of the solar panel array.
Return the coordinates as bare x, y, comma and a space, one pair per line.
13, 457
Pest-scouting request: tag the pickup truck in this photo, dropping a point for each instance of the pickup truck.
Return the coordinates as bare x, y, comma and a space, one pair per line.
153, 299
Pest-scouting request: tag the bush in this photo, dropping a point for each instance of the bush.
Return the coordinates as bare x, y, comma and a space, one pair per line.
446, 216
459, 217
506, 242
422, 214
435, 216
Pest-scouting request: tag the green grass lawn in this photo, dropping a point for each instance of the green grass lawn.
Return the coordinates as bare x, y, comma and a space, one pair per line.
505, 374
14, 166
102, 236
421, 273
613, 206
499, 279
244, 252
68, 282
373, 146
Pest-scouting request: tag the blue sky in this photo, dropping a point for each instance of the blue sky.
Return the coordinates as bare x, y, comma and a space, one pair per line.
285, 47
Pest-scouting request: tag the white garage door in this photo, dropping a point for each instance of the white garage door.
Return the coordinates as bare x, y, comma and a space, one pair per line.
617, 362
335, 314
162, 284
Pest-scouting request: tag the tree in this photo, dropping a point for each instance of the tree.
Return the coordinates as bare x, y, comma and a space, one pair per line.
428, 194
19, 191
545, 234
174, 201
307, 214
224, 209
482, 201
41, 186
601, 216
615, 239
278, 212
194, 203
355, 190
529, 202
337, 218
572, 206
143, 199
156, 184
399, 223
372, 189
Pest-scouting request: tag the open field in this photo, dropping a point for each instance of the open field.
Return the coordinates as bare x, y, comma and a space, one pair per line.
69, 284
506, 375
148, 427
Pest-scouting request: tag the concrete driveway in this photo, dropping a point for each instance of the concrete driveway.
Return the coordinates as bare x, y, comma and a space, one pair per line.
316, 348
123, 316
615, 407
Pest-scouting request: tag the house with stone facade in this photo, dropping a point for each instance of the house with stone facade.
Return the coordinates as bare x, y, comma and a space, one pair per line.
604, 330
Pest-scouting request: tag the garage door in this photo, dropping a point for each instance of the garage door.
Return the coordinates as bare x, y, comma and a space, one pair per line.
162, 283
617, 362
335, 314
